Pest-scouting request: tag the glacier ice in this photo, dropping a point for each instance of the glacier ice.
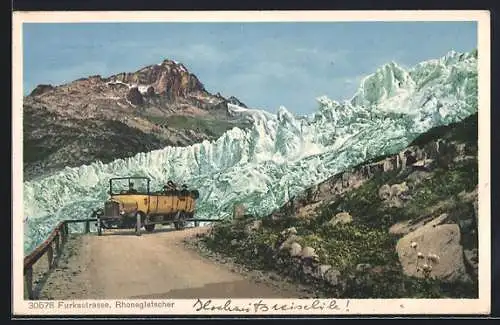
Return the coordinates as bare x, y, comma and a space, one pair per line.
282, 154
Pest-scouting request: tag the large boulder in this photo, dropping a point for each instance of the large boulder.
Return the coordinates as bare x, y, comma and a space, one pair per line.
434, 248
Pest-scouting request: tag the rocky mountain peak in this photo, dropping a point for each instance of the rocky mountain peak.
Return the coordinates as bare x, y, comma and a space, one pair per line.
170, 79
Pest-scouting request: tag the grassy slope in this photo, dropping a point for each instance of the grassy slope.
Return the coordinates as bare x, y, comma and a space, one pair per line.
366, 239
97, 132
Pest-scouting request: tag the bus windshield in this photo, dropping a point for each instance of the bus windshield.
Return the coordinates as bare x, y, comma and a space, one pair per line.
129, 186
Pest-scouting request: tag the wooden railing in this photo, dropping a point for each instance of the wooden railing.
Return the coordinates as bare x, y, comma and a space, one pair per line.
54, 242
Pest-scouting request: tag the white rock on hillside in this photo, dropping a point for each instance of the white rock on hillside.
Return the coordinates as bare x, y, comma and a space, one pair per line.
440, 240
342, 218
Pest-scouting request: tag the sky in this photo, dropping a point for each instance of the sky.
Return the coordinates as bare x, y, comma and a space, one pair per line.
265, 65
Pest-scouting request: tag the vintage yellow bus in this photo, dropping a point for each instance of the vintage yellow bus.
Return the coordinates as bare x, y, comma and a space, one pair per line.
130, 207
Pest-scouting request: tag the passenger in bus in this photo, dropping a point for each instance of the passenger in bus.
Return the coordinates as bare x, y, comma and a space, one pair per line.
172, 186
131, 188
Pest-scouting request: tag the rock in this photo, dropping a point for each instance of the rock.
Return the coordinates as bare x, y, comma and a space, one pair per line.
222, 105
321, 271
393, 195
443, 217
289, 231
234, 242
238, 212
253, 226
308, 270
274, 277
286, 244
398, 190
309, 211
394, 202
308, 253
332, 277
440, 240
466, 225
384, 192
150, 91
388, 164
409, 157
342, 218
472, 259
134, 96
424, 164
363, 267
295, 249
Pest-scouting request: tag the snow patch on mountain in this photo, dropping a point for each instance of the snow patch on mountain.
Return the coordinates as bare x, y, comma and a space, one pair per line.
118, 82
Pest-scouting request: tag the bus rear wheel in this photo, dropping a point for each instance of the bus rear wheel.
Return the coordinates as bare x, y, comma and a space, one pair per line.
179, 225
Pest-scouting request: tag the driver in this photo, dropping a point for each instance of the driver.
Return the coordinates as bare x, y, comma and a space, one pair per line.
131, 188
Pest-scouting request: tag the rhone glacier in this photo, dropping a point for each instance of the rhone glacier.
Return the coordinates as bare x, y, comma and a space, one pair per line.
282, 154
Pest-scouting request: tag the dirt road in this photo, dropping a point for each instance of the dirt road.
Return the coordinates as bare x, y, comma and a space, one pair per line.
158, 265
